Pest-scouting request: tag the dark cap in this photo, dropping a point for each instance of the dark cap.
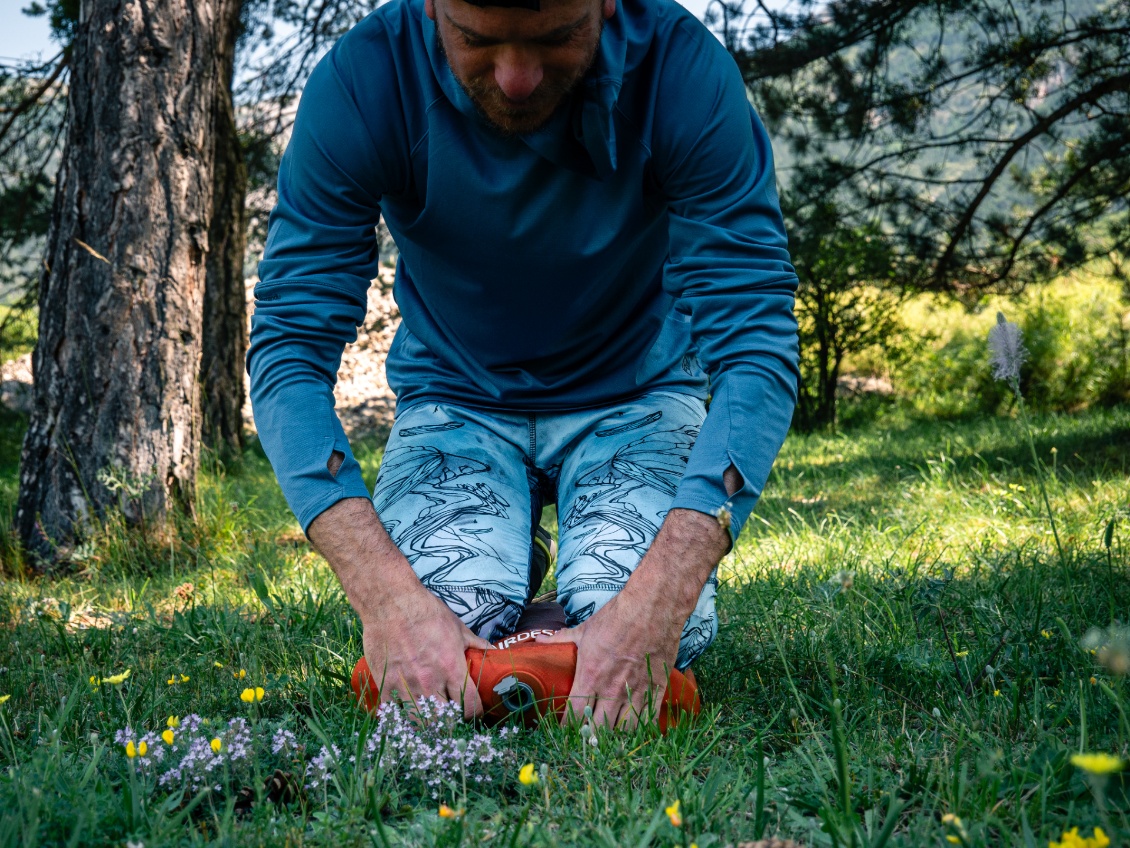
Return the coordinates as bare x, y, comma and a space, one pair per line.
534, 5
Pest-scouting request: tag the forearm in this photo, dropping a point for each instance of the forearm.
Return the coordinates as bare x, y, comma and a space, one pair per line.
372, 570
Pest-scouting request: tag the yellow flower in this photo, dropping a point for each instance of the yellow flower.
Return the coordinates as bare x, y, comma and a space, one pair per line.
1072, 839
674, 815
94, 681
117, 679
173, 721
1047, 634
961, 654
239, 675
168, 737
996, 693
953, 840
218, 664
131, 749
527, 776
251, 696
1097, 763
217, 745
4, 698
143, 748
1093, 680
950, 818
184, 678
445, 812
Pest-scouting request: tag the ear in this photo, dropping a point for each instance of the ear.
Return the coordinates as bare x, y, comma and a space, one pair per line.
430, 8
609, 8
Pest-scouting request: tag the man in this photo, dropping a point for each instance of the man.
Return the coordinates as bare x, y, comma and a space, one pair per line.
589, 231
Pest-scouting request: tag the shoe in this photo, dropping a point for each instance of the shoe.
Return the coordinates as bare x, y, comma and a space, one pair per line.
524, 679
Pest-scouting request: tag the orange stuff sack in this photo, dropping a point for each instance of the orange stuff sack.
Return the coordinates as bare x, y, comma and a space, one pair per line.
531, 680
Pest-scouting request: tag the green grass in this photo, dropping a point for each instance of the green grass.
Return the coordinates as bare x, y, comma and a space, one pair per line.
848, 696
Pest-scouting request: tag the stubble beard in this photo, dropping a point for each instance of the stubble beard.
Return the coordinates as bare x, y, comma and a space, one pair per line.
509, 118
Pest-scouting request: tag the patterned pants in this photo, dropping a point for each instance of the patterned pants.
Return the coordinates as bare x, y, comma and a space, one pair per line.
461, 490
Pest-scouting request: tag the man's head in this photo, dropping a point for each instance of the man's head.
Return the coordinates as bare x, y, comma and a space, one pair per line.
516, 64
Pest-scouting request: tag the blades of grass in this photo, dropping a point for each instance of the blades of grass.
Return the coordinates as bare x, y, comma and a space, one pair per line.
893, 812
652, 827
759, 822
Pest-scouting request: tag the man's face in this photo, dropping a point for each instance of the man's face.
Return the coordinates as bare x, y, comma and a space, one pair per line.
518, 65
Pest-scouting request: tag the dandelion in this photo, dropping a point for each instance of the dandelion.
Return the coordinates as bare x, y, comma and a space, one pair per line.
216, 745
1097, 763
117, 679
674, 815
252, 696
527, 776
446, 812
1006, 351
168, 737
1072, 839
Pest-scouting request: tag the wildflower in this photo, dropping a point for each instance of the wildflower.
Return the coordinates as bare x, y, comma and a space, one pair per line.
961, 654
1047, 634
954, 824
527, 776
117, 679
1094, 681
142, 748
184, 678
168, 737
173, 722
1072, 839
996, 693
445, 812
674, 815
131, 749
217, 664
251, 696
4, 698
1006, 350
239, 675
216, 745
1097, 763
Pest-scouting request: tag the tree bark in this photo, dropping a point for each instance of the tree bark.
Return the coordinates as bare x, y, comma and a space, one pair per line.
115, 421
225, 297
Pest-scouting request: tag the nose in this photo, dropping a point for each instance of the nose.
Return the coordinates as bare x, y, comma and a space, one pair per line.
517, 73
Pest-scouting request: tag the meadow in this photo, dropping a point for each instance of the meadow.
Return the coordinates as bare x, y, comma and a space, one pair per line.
905, 658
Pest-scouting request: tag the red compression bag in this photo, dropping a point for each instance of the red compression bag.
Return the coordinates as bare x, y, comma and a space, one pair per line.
531, 680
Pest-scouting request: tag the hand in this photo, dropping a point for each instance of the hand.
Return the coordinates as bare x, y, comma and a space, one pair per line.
413, 643
625, 654
415, 648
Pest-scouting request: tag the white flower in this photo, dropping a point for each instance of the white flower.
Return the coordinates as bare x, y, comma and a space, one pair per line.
1006, 350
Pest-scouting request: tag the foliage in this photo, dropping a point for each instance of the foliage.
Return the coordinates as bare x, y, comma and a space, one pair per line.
844, 306
989, 139
1077, 331
885, 570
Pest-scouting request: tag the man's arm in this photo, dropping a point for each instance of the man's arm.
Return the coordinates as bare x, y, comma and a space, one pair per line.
321, 254
414, 644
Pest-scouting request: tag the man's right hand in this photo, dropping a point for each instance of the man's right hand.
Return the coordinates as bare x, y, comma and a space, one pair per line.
414, 644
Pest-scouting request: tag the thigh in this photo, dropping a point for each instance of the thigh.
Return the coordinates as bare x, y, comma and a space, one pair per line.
615, 488
454, 492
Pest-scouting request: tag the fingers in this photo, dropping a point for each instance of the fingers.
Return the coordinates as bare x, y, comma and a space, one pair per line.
473, 641
569, 634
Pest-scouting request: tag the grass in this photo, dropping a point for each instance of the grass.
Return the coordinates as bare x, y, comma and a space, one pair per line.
899, 642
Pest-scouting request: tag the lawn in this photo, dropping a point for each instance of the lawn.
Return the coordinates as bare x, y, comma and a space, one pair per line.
905, 658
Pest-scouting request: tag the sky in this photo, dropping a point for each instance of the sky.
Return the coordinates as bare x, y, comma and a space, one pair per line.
22, 37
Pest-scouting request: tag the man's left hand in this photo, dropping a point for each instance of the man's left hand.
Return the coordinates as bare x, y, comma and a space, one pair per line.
626, 650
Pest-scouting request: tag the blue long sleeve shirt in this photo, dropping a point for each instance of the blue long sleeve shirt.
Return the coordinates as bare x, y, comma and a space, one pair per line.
635, 243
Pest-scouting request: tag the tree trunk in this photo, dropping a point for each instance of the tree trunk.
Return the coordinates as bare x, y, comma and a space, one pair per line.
225, 298
115, 421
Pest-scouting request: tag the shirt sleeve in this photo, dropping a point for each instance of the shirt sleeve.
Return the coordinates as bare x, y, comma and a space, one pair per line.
320, 257
729, 266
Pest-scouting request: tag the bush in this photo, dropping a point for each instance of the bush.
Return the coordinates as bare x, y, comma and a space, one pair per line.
1076, 329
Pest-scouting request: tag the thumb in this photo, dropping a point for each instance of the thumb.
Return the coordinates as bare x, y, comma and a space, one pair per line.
568, 634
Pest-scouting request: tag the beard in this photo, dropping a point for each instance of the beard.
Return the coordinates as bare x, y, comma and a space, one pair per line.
510, 118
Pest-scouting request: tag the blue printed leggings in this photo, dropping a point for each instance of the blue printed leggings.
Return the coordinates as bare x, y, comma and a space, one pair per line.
460, 491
